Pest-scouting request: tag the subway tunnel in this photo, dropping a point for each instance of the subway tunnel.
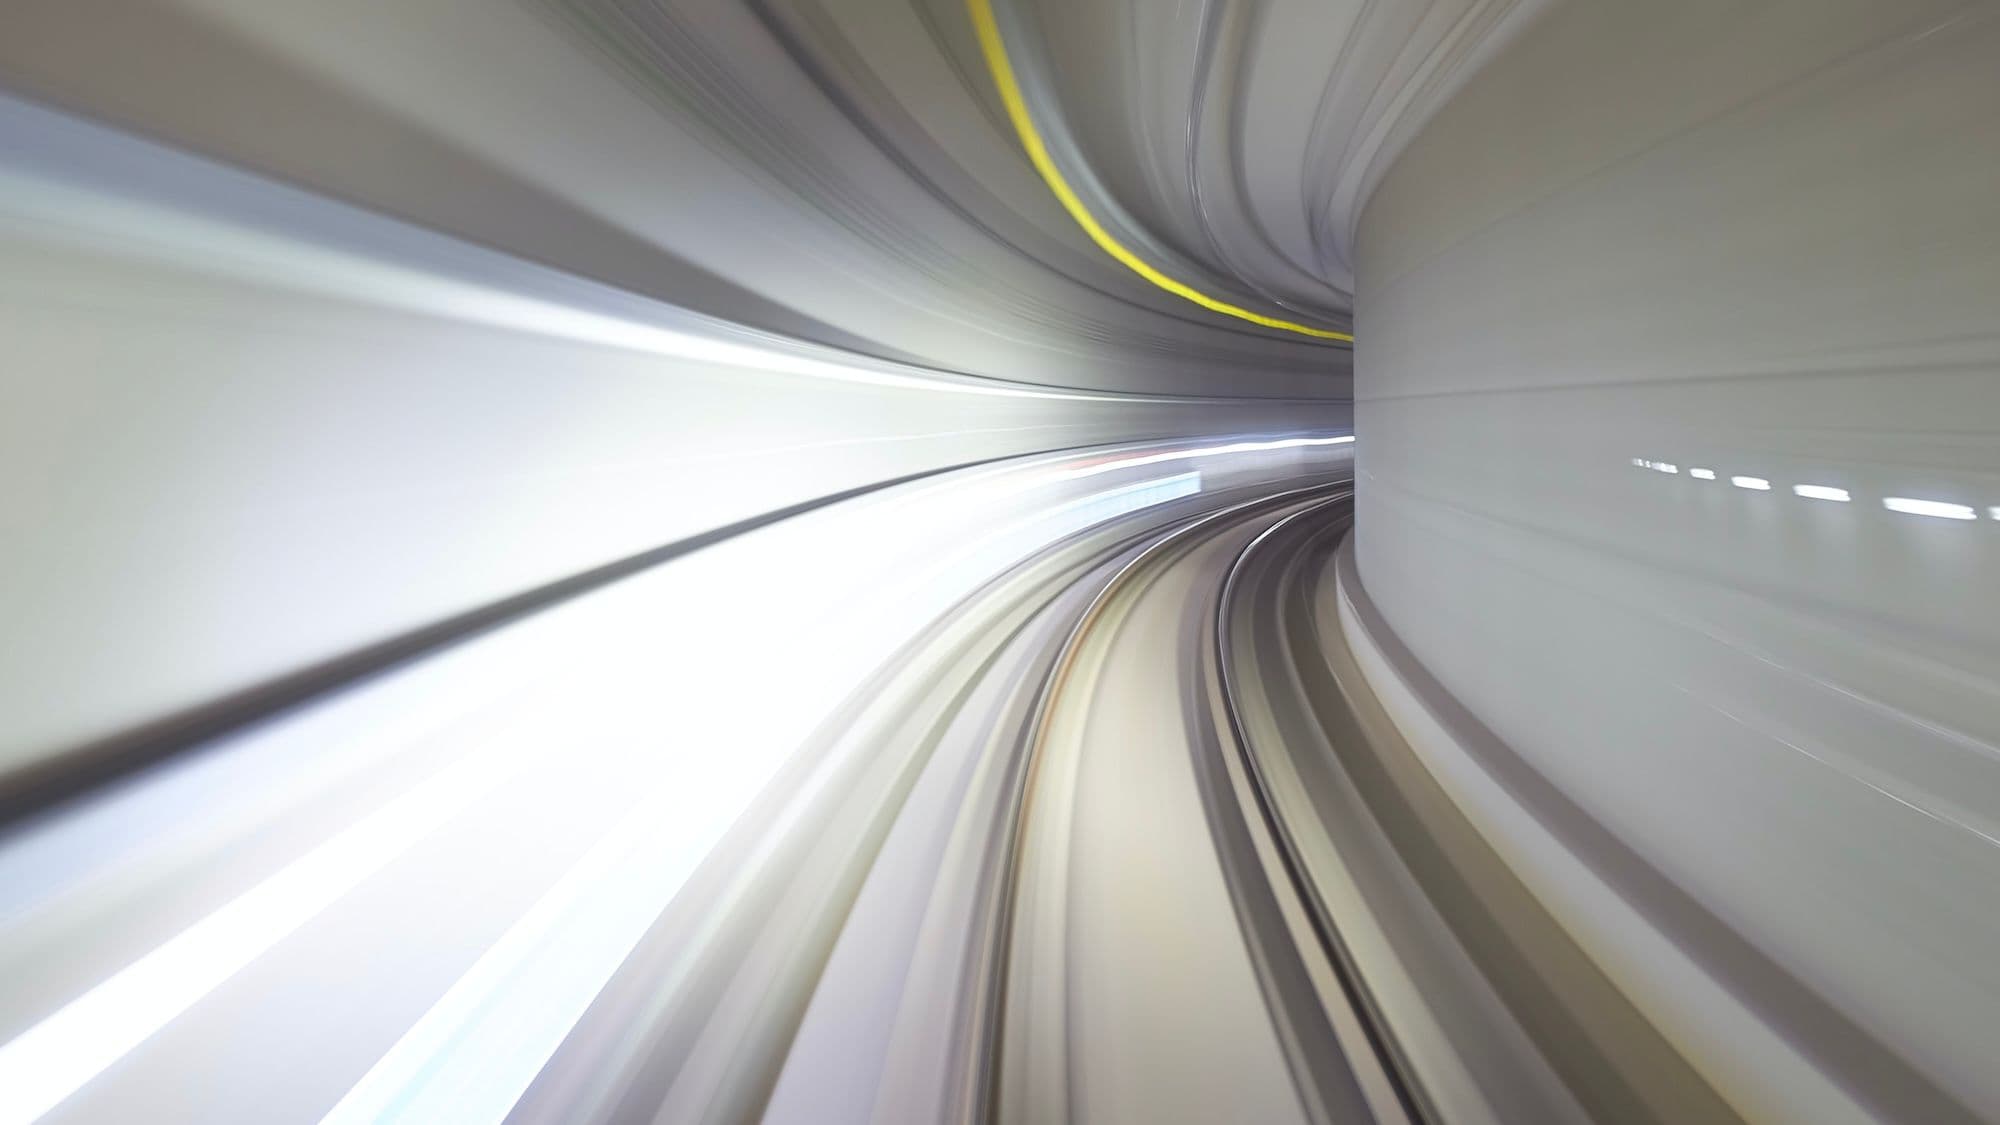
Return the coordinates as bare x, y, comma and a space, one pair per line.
1014, 561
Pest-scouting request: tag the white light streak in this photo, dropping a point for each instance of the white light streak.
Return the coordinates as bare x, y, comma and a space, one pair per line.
1702, 474
1200, 451
1755, 484
508, 1012
396, 270
53, 1059
1821, 492
1656, 466
1937, 509
472, 1054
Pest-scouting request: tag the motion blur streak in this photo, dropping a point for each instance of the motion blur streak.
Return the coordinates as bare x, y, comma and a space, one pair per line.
859, 562
994, 46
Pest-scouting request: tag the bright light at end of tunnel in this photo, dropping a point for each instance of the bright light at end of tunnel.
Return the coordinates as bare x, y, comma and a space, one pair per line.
1204, 451
1702, 474
1756, 484
1937, 509
1821, 492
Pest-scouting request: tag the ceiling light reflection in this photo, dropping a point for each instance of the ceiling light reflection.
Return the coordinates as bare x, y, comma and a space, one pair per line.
1937, 509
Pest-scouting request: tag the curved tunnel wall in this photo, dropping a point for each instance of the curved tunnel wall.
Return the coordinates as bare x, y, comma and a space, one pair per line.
427, 364
333, 324
844, 176
1758, 241
258, 429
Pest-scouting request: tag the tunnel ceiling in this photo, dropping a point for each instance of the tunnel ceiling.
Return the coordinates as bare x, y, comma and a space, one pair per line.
839, 171
1226, 143
842, 171
1240, 136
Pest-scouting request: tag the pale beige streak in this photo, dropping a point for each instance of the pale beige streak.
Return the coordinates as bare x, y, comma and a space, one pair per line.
1128, 953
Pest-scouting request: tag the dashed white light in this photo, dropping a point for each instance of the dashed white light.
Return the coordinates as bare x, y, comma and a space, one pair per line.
1937, 509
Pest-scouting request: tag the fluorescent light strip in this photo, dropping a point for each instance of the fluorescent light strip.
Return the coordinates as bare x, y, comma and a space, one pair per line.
1702, 474
53, 1059
1821, 492
1938, 509
1755, 484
